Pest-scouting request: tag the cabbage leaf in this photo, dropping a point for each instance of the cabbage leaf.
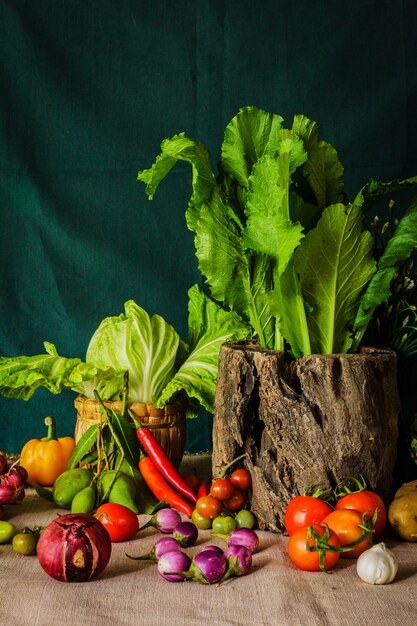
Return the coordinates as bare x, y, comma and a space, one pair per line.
209, 326
21, 376
145, 346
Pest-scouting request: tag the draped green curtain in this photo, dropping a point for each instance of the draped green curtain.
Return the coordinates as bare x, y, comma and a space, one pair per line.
89, 88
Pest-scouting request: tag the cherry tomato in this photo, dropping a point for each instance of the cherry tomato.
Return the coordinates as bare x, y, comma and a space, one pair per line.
201, 522
241, 479
303, 511
310, 561
223, 524
222, 489
24, 543
346, 524
7, 530
245, 519
193, 481
208, 507
236, 502
366, 502
121, 522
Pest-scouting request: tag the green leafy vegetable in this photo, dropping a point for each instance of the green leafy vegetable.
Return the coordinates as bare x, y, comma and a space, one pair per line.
127, 437
160, 365
209, 327
20, 376
276, 237
333, 284
83, 447
398, 249
144, 346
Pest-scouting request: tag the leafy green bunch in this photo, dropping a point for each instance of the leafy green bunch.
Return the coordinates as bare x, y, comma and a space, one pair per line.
160, 365
276, 238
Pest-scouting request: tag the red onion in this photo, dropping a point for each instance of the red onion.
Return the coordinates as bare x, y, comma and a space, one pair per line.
186, 534
173, 565
74, 548
162, 545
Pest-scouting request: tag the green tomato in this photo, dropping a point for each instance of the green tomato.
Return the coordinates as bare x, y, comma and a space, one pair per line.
24, 543
223, 524
7, 530
201, 522
245, 519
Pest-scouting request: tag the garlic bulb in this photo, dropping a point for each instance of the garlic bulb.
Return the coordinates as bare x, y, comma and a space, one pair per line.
378, 565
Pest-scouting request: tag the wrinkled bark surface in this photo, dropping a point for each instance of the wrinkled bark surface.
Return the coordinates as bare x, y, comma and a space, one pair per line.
321, 419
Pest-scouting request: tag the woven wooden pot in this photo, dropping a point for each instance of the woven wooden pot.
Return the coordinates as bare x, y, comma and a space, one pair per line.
167, 424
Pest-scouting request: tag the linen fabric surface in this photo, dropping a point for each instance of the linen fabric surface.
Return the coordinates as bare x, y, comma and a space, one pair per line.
129, 593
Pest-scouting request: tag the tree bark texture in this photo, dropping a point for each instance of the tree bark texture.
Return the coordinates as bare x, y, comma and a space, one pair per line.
318, 420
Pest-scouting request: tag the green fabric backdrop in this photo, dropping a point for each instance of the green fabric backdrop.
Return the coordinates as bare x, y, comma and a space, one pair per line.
88, 89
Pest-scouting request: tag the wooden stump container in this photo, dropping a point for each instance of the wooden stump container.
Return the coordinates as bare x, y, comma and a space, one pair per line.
168, 425
321, 419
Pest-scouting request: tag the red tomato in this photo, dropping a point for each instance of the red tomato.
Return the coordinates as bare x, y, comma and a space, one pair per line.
241, 479
236, 502
222, 489
310, 561
366, 502
346, 524
208, 507
121, 522
303, 511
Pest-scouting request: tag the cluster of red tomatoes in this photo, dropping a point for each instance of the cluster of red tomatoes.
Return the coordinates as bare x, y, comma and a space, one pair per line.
224, 497
320, 534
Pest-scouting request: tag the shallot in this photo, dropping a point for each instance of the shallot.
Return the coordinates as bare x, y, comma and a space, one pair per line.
12, 485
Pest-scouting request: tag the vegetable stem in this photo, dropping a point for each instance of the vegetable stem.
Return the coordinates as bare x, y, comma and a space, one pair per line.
51, 424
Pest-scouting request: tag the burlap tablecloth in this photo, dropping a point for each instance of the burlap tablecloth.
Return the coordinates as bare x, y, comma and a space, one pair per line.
132, 593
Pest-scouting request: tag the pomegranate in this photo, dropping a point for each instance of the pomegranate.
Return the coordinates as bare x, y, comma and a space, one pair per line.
74, 548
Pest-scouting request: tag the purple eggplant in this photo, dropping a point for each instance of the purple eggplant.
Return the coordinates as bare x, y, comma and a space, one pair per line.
244, 537
173, 566
165, 520
239, 561
212, 548
186, 534
162, 545
207, 567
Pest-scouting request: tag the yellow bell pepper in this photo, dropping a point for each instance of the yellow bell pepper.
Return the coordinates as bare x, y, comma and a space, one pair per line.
45, 459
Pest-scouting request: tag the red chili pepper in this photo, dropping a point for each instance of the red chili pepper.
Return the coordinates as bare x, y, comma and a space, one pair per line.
160, 488
162, 462
204, 488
